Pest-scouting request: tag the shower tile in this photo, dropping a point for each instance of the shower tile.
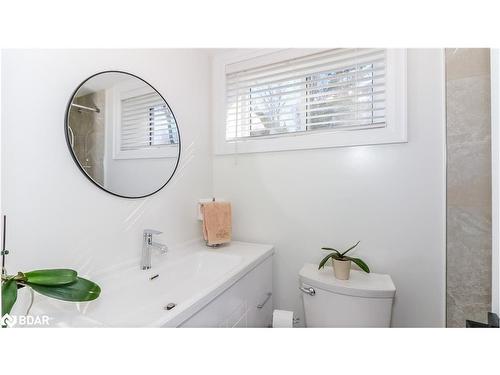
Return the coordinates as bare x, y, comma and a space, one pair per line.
467, 62
468, 294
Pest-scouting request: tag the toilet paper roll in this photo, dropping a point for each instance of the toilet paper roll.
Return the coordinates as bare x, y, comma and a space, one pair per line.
282, 319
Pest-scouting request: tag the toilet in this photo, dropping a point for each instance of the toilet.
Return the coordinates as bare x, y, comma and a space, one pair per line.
365, 300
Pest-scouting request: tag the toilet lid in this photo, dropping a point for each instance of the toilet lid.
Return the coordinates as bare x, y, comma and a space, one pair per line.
360, 284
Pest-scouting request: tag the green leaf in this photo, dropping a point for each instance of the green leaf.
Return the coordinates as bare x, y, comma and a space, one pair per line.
331, 249
51, 277
325, 259
360, 264
349, 249
80, 290
9, 295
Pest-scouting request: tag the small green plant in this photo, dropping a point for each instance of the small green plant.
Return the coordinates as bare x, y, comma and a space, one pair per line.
62, 284
337, 255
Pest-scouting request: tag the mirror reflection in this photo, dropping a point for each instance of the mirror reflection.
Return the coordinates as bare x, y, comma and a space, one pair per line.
122, 134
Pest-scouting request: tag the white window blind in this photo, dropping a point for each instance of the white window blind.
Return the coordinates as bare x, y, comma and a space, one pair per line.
333, 89
146, 122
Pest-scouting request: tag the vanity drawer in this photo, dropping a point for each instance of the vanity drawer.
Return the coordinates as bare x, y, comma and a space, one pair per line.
260, 298
247, 303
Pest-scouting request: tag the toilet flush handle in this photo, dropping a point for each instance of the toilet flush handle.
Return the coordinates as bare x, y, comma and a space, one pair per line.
309, 290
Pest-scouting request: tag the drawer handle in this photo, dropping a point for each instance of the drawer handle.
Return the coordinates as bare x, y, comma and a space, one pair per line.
309, 291
261, 305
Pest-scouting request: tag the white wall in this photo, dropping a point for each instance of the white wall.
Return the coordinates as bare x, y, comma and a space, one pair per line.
136, 177
391, 197
56, 217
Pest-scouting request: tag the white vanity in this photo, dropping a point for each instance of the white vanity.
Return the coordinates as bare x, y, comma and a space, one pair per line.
190, 286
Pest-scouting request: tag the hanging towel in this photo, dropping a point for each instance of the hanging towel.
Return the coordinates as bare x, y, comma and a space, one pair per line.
216, 222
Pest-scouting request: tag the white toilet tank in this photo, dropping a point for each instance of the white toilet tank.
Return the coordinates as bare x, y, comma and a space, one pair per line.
365, 300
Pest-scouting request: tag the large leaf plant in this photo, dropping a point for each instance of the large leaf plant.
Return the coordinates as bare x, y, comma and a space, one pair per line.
337, 255
62, 284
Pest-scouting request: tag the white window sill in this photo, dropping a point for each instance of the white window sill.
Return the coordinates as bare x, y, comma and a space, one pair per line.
313, 140
151, 153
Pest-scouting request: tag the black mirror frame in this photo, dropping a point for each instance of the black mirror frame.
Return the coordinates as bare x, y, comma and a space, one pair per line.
68, 143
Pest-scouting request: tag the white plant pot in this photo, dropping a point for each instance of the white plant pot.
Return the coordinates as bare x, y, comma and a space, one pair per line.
342, 269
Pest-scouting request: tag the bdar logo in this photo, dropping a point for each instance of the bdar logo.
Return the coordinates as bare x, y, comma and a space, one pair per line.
8, 321
24, 320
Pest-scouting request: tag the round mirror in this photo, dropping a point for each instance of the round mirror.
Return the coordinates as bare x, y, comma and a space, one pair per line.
122, 134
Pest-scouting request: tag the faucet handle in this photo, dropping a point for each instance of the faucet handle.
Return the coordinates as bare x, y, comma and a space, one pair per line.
151, 231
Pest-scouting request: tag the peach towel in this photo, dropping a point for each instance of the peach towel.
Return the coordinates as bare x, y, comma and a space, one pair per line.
216, 222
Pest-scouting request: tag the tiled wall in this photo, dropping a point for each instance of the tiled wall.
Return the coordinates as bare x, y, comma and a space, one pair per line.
468, 294
88, 129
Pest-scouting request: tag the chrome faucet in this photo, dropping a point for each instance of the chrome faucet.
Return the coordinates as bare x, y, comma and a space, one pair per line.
148, 245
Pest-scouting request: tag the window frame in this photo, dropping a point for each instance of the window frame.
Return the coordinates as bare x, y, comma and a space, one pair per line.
114, 97
395, 130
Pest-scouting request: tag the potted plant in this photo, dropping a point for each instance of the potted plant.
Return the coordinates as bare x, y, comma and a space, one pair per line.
342, 263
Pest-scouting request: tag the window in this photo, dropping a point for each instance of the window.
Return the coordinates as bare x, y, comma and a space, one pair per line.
146, 122
295, 99
329, 90
143, 124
